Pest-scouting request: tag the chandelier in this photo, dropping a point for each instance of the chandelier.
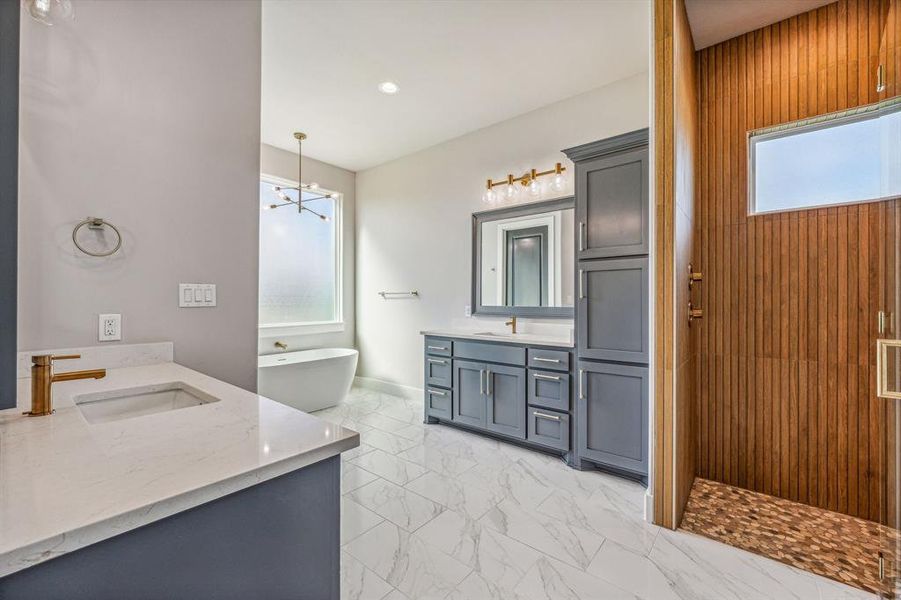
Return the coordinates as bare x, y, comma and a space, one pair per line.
300, 188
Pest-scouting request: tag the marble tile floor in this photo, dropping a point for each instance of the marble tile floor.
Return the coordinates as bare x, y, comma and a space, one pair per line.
434, 512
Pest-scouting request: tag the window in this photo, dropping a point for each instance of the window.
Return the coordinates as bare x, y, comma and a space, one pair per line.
839, 159
300, 263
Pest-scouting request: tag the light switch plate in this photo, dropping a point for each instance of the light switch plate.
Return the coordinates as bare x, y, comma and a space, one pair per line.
196, 295
109, 328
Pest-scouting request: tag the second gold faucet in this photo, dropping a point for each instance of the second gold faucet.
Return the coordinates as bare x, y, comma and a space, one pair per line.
512, 323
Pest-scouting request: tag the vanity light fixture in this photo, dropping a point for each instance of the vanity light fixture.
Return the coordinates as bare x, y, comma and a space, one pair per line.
285, 199
48, 12
529, 180
389, 87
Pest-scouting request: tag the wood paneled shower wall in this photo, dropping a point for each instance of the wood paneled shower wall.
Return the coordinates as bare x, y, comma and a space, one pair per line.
785, 379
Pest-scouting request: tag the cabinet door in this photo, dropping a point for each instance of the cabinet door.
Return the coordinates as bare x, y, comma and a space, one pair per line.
469, 395
613, 310
612, 205
612, 413
506, 392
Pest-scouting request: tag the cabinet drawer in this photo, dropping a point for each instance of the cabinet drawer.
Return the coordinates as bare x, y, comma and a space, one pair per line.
558, 360
438, 403
438, 371
439, 346
549, 389
510, 355
548, 428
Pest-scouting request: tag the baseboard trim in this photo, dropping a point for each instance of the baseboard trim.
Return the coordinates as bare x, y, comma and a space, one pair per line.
387, 387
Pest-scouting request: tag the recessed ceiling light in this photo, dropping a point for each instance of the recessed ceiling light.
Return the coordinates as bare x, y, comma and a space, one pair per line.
389, 87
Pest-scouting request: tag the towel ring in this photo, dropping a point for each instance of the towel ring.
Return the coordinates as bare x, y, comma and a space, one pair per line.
96, 223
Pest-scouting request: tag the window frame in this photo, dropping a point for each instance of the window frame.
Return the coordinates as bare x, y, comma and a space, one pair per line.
827, 121
313, 327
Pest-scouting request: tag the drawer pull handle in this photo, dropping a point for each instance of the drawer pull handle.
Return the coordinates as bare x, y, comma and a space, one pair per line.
437, 347
437, 361
548, 377
546, 416
488, 382
581, 236
437, 393
581, 284
581, 384
481, 381
548, 360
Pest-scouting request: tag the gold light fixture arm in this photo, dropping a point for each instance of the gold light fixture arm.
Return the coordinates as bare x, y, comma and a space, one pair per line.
526, 178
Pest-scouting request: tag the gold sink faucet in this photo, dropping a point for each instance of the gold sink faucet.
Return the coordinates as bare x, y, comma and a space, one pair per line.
42, 378
512, 323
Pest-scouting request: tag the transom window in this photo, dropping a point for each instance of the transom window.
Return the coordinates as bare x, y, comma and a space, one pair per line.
835, 159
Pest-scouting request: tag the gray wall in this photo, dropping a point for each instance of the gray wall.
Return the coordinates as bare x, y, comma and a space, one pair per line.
414, 218
9, 120
281, 163
146, 114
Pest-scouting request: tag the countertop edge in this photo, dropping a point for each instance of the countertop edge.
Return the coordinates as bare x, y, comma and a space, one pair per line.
528, 339
50, 548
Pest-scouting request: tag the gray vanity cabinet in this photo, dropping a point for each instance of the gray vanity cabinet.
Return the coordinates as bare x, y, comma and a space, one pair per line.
505, 389
511, 390
612, 205
612, 318
469, 406
612, 415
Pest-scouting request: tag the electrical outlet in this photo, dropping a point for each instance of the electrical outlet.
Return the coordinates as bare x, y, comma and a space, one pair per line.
467, 311
110, 328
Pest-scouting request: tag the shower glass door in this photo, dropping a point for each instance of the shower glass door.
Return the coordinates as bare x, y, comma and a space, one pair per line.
888, 317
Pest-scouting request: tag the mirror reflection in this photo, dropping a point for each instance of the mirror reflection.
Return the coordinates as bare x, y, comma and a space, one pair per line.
526, 260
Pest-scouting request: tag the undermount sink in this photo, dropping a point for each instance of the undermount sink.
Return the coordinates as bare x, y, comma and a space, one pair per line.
116, 405
494, 334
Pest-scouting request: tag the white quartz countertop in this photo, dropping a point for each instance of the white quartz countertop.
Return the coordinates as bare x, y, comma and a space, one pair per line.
535, 339
65, 484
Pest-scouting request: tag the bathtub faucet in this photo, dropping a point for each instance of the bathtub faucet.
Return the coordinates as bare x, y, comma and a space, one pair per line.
281, 345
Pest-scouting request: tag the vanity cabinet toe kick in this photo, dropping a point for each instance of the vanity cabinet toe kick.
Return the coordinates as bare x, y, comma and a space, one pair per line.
514, 391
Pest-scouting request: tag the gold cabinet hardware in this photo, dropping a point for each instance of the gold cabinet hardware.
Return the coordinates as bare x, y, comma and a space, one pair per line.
887, 384
281, 345
693, 276
694, 313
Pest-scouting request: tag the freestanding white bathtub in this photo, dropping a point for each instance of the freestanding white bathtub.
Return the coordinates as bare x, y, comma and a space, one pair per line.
308, 380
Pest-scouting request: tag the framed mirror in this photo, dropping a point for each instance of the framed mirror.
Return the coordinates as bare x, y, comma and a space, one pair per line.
523, 260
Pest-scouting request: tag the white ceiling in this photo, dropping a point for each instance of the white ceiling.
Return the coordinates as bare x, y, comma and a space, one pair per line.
714, 21
460, 65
